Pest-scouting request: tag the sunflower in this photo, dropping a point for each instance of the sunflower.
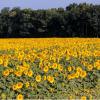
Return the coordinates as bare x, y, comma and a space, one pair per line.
18, 73
73, 75
83, 74
69, 68
20, 97
83, 98
60, 68
6, 72
45, 69
90, 67
54, 66
20, 57
50, 79
27, 84
26, 72
5, 63
98, 67
77, 74
97, 64
69, 77
14, 87
30, 73
1, 61
38, 78
71, 98
79, 69
19, 85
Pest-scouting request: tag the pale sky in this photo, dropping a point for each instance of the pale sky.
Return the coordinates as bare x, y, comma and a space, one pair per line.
42, 4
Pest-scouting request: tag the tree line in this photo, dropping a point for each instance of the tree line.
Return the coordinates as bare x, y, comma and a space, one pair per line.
76, 20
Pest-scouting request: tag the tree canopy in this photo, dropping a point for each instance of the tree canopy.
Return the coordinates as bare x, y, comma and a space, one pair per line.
76, 20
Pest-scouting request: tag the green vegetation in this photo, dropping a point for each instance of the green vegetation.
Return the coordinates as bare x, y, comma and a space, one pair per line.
81, 20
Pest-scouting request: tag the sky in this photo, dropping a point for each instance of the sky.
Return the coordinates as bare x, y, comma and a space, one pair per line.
42, 4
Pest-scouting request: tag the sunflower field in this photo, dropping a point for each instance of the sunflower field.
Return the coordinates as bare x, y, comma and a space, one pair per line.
50, 68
